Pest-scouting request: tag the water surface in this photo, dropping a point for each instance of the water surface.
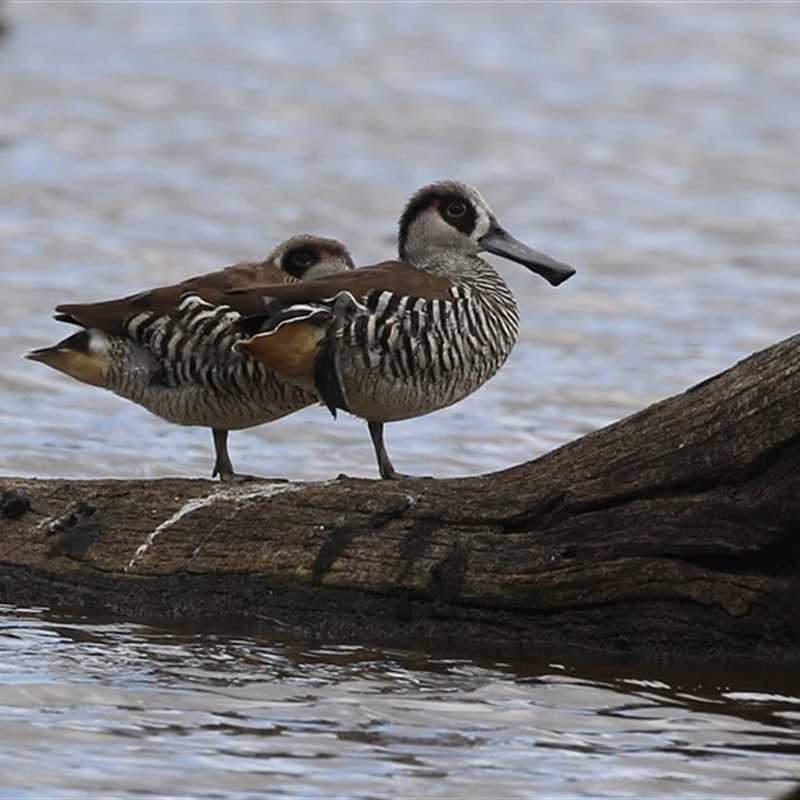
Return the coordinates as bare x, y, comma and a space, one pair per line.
653, 146
124, 709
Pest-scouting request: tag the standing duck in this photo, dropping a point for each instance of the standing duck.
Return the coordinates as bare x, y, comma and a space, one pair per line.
403, 338
170, 349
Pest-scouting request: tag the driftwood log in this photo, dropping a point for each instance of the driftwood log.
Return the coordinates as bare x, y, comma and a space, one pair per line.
676, 530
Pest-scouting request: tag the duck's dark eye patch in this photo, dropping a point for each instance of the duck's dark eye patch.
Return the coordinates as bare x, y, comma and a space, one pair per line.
298, 261
457, 212
438, 199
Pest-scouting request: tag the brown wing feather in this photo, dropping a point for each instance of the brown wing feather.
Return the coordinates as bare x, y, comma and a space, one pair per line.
398, 277
110, 315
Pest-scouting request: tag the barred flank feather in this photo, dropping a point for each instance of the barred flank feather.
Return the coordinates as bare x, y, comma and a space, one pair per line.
184, 368
418, 355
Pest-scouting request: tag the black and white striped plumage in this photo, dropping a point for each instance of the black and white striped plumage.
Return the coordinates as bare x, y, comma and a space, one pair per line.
192, 374
394, 350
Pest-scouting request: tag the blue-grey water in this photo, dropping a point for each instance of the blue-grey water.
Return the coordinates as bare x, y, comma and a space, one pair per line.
654, 146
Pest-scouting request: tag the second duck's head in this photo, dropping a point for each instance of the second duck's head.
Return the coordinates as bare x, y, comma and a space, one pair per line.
305, 257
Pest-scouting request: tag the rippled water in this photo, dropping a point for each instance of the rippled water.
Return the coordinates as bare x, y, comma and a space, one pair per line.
94, 709
654, 146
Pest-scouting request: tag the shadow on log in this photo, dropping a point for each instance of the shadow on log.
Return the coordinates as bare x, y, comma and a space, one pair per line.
674, 531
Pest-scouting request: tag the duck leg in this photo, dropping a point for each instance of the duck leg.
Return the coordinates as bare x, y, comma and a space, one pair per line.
385, 467
222, 466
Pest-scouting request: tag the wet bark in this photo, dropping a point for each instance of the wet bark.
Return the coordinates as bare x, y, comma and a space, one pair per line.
676, 530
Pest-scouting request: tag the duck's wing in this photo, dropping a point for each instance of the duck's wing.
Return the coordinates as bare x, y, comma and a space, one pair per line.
110, 316
398, 278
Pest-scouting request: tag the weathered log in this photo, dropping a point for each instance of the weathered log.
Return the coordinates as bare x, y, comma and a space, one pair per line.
676, 530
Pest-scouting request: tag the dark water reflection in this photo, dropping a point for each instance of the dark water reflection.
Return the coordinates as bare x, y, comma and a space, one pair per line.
129, 708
